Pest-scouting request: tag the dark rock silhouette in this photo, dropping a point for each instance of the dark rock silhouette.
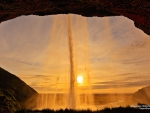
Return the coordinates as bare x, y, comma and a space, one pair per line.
106, 110
13, 92
8, 102
136, 10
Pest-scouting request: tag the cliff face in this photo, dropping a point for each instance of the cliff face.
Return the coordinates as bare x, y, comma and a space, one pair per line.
136, 10
8, 103
13, 92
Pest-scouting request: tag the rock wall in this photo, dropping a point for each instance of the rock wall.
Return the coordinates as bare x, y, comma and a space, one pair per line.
136, 10
14, 93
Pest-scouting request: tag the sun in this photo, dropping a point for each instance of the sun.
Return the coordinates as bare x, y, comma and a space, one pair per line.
80, 79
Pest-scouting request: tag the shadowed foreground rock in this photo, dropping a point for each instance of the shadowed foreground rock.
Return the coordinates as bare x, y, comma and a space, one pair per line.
136, 10
106, 110
13, 92
8, 103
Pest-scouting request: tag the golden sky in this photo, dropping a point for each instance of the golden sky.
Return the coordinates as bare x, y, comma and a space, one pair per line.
36, 50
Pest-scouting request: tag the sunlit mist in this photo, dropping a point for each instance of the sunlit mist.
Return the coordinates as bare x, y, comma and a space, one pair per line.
76, 62
116, 54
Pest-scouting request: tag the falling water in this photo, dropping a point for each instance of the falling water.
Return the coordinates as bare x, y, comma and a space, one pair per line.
72, 95
76, 98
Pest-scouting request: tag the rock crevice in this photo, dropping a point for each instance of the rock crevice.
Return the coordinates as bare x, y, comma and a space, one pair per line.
136, 10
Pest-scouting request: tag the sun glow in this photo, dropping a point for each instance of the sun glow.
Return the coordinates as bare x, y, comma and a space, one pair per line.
80, 79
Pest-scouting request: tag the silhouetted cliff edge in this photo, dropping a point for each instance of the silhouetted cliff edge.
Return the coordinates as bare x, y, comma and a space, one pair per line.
13, 92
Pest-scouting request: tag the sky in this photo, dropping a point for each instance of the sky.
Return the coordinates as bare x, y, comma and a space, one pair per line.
115, 53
